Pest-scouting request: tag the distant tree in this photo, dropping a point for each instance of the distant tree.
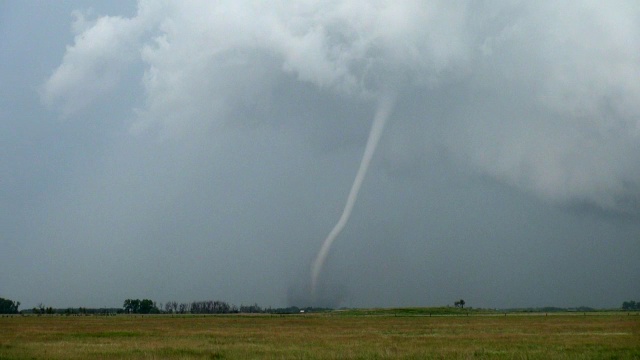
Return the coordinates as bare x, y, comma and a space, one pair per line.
131, 306
147, 306
8, 306
459, 304
210, 307
143, 306
250, 309
221, 307
137, 306
631, 305
128, 306
183, 308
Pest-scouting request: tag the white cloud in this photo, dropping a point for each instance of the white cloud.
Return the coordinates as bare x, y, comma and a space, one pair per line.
92, 66
571, 70
553, 103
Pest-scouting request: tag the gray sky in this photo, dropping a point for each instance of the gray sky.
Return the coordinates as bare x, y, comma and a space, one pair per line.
198, 150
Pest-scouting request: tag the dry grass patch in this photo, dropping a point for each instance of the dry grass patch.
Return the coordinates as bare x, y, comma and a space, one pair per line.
321, 337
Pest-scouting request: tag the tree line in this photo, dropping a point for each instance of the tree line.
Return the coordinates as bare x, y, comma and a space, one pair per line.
200, 307
146, 306
222, 307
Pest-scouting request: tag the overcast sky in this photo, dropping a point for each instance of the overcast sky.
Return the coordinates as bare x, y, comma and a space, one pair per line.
196, 150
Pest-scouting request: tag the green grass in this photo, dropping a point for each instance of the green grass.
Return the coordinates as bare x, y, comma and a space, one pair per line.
361, 334
432, 311
107, 334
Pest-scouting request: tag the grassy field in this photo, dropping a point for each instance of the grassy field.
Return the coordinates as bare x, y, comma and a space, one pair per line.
336, 335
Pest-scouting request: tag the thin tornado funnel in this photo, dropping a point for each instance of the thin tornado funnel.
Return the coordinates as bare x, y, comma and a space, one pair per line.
382, 113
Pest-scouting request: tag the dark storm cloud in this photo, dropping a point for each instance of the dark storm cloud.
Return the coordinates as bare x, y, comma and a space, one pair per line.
226, 137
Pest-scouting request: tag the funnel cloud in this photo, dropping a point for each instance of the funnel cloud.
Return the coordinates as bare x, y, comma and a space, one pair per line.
382, 113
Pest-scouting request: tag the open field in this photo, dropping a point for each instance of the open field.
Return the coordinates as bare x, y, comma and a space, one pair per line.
320, 336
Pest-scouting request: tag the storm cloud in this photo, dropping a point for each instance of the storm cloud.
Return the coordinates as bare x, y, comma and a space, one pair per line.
207, 149
549, 93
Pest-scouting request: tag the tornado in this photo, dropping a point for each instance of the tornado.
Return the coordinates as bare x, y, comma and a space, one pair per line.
385, 106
